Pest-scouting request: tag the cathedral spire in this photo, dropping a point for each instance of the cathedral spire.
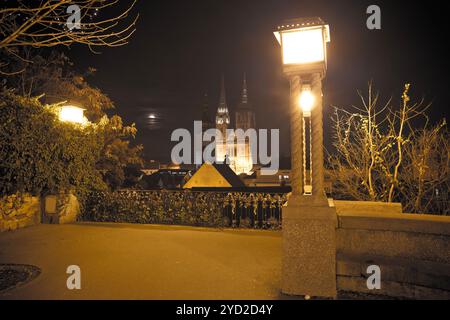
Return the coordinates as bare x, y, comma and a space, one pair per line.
205, 110
244, 90
244, 103
223, 101
205, 103
222, 116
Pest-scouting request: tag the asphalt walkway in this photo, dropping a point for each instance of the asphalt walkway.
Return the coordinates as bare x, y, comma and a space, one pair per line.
126, 261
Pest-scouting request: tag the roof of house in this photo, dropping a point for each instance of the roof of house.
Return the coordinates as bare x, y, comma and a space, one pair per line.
166, 178
265, 189
229, 175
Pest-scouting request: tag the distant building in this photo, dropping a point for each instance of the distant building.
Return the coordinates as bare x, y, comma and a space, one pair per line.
214, 176
207, 123
154, 166
167, 179
237, 154
283, 179
150, 167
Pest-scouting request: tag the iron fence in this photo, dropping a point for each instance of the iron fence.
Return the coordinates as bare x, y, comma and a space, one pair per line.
187, 207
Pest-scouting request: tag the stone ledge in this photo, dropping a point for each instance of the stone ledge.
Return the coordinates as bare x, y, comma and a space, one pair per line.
402, 270
410, 245
392, 289
344, 206
404, 222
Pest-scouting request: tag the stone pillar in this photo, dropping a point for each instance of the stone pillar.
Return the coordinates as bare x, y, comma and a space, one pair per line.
317, 168
296, 137
309, 224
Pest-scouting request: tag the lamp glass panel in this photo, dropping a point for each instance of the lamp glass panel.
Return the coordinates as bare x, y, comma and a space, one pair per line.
303, 46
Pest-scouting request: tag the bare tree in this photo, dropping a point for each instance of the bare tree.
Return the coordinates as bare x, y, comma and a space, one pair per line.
379, 153
44, 23
360, 146
425, 179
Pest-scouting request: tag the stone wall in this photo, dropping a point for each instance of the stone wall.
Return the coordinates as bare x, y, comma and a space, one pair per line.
18, 212
412, 251
60, 209
23, 211
69, 209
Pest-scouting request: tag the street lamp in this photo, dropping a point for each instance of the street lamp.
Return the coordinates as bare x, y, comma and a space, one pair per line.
303, 45
309, 223
73, 114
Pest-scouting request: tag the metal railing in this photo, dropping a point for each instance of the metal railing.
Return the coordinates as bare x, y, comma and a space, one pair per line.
187, 207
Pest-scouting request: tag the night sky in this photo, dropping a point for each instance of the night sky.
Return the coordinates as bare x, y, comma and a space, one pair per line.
181, 48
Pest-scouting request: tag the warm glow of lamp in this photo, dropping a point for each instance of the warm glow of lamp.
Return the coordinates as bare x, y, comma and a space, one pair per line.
306, 100
72, 114
303, 44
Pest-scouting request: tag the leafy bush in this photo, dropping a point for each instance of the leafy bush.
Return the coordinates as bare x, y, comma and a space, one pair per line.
53, 78
40, 154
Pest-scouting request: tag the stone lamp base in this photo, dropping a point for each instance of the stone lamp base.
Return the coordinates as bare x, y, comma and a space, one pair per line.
309, 247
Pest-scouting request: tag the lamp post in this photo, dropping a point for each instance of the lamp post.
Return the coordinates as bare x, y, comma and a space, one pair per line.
309, 224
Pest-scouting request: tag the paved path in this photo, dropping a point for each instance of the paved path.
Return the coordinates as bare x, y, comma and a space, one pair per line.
126, 261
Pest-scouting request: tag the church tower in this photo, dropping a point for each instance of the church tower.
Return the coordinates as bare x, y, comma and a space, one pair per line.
207, 122
222, 123
222, 116
245, 119
245, 116
206, 116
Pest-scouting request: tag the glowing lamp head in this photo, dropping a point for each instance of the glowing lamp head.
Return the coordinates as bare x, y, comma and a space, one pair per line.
72, 114
303, 44
306, 100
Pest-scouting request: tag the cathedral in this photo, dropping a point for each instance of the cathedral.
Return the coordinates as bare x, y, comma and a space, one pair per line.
237, 154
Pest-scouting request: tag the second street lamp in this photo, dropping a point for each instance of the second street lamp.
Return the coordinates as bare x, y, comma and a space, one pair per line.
73, 114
